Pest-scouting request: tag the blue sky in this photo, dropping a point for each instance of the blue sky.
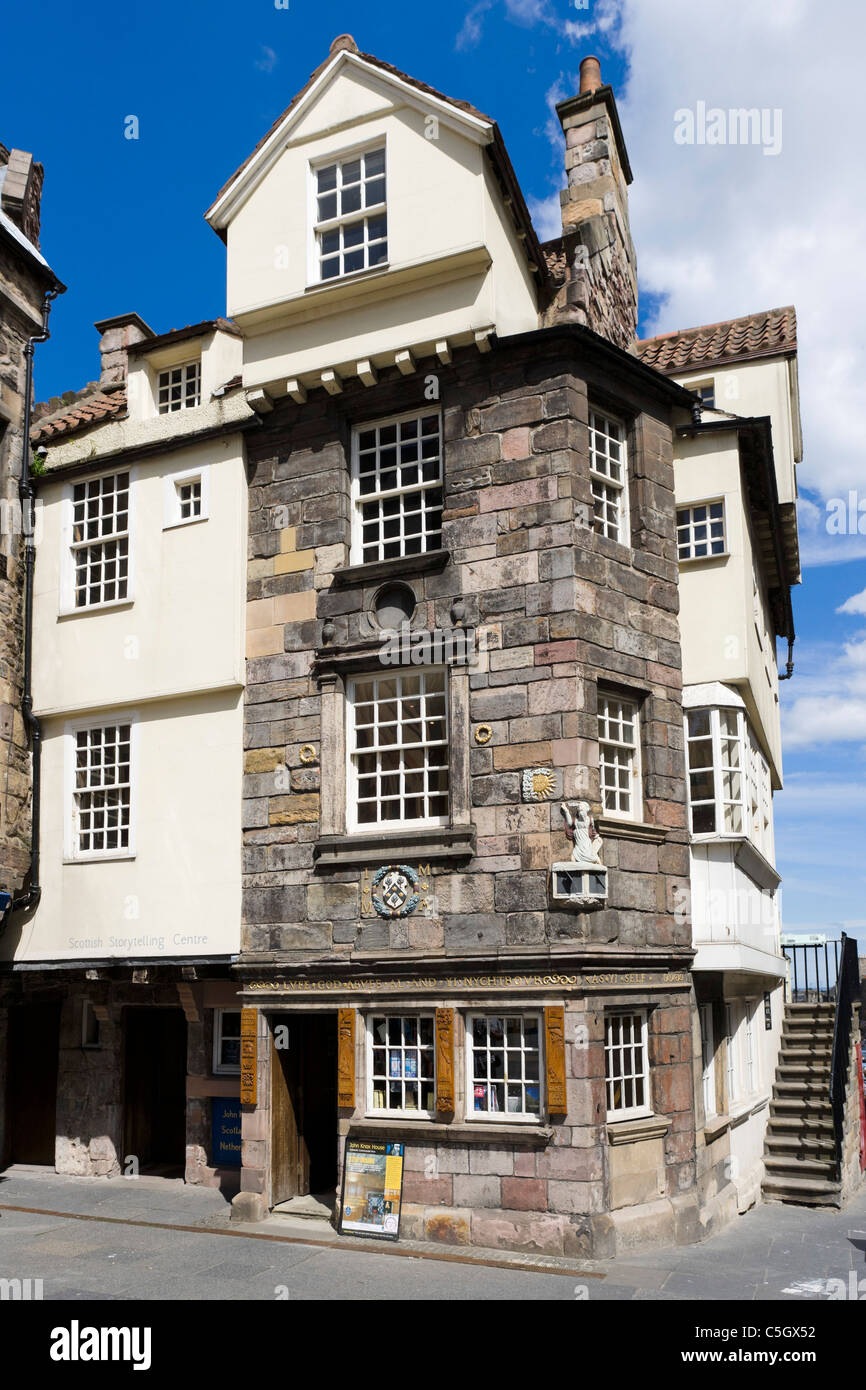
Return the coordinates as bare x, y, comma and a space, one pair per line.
719, 232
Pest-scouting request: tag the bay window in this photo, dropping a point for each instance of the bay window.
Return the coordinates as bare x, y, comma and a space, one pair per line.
729, 777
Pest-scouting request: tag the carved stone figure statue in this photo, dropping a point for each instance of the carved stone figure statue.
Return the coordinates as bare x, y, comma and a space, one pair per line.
583, 834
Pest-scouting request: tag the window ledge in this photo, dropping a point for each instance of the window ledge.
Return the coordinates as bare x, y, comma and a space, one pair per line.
633, 1131
94, 608
456, 1132
379, 847
430, 562
715, 1127
631, 830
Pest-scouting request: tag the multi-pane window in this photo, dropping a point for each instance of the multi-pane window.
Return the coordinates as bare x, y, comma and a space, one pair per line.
729, 777
701, 531
398, 749
351, 218
100, 540
504, 1064
625, 1064
102, 796
619, 756
401, 1065
749, 1047
707, 393
227, 1040
189, 498
708, 1059
179, 388
397, 488
608, 476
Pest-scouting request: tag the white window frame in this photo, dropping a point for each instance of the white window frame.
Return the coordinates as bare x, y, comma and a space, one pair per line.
603, 481
386, 1111
68, 545
359, 499
221, 1068
171, 497
732, 1068
504, 1116
72, 854
317, 228
184, 368
686, 532
384, 673
635, 811
631, 1112
708, 1059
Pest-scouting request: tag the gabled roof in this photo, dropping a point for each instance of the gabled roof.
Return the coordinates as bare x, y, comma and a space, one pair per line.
772, 333
344, 51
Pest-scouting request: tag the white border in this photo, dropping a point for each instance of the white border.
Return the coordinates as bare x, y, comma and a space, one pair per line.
222, 1068
634, 1112
504, 1116
384, 1112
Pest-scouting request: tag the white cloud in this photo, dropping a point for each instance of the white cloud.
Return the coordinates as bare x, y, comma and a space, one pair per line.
470, 32
268, 60
723, 230
527, 13
855, 604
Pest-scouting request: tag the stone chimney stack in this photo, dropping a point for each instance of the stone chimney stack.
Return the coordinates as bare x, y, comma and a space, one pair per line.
600, 286
21, 191
116, 336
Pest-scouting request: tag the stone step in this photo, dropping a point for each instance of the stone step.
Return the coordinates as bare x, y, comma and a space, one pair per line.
819, 1028
787, 1089
788, 1165
804, 1051
811, 1007
801, 1126
807, 1143
812, 1107
804, 1071
810, 1192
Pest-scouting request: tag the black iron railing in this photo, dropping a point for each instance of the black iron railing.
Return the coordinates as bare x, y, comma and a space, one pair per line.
813, 972
847, 991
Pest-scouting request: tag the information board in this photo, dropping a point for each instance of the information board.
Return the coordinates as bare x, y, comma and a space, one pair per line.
372, 1188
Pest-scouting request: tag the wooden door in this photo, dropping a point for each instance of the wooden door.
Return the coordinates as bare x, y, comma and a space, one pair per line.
34, 1040
304, 1107
284, 1114
155, 1086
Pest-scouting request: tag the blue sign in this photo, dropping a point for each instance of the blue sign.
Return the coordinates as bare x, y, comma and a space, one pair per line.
226, 1133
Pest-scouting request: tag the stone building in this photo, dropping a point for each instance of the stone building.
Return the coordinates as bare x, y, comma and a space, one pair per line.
25, 280
497, 625
435, 899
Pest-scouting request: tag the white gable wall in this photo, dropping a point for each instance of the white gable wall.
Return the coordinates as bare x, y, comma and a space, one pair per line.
455, 264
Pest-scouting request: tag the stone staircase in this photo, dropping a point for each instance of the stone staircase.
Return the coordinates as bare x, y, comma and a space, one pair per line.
800, 1163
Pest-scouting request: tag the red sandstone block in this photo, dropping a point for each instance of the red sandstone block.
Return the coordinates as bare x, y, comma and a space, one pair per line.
548, 652
427, 1191
673, 1089
524, 1194
524, 1165
515, 444
523, 494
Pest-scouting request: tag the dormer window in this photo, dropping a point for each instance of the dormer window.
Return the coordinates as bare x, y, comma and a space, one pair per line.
351, 223
179, 388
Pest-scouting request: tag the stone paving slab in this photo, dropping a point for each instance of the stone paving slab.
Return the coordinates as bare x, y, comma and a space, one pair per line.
773, 1252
